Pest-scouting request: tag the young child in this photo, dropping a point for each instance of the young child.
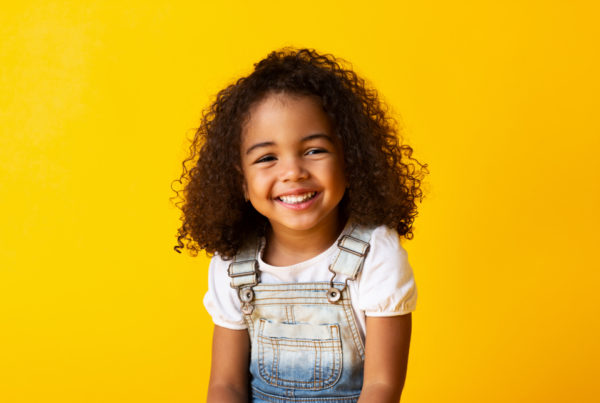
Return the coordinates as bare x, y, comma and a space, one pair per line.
301, 190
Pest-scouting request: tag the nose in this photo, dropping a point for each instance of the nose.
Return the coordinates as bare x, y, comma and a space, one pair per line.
292, 169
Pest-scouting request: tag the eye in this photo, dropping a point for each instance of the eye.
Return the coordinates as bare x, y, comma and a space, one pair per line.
266, 158
313, 151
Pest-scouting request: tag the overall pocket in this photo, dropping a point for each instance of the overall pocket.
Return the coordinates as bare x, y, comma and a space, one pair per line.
299, 355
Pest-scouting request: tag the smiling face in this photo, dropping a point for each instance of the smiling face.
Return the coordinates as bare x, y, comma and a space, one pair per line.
293, 164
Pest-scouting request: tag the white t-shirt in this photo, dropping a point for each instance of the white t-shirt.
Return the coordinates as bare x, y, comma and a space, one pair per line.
384, 287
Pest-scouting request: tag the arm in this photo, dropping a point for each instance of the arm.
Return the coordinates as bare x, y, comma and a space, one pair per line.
229, 366
386, 357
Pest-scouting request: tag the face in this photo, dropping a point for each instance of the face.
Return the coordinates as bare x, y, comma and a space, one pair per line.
293, 164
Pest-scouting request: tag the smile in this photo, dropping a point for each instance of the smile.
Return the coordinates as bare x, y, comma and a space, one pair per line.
297, 199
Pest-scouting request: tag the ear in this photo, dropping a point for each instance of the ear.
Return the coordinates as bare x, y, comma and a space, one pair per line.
245, 189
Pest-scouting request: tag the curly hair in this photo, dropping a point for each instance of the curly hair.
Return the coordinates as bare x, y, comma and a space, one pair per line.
384, 180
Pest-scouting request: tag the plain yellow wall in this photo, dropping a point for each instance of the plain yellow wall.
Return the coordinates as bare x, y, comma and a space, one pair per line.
97, 99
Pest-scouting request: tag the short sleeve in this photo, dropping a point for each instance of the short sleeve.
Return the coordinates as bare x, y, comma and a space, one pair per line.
386, 286
221, 301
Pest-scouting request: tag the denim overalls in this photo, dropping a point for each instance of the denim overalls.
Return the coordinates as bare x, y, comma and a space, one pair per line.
305, 345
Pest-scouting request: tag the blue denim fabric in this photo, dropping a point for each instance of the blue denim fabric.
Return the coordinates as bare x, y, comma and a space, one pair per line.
304, 348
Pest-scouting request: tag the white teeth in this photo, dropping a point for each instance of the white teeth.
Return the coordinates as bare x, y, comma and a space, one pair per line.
298, 198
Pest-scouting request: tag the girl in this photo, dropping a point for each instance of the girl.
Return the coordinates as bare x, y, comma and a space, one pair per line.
301, 190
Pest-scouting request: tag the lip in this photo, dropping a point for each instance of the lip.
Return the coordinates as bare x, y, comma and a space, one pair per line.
300, 206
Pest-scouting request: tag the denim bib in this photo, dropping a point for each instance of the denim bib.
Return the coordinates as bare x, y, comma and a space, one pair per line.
305, 344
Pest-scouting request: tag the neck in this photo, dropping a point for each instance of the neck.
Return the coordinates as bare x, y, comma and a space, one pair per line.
286, 247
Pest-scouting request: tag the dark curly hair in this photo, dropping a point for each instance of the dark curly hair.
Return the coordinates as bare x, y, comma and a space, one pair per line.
384, 179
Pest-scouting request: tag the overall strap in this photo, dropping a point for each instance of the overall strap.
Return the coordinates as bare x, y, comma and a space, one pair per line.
244, 274
243, 271
353, 250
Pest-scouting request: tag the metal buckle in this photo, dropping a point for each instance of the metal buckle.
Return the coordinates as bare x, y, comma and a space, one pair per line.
333, 293
344, 248
246, 294
245, 291
247, 309
255, 271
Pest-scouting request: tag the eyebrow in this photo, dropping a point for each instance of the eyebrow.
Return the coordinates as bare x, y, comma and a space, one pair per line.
304, 139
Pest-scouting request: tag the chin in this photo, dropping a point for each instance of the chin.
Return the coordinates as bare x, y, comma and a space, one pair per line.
300, 225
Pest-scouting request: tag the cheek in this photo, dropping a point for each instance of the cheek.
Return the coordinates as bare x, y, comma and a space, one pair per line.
253, 184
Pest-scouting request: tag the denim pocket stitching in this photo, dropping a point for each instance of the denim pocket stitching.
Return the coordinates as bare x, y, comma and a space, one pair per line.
318, 347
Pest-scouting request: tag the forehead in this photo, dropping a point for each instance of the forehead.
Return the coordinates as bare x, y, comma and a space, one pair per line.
285, 114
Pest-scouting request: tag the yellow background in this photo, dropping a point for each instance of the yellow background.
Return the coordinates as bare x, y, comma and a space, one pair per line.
97, 100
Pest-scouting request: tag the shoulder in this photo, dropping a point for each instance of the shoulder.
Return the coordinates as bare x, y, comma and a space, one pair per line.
386, 286
217, 269
217, 262
221, 300
386, 237
218, 276
385, 246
